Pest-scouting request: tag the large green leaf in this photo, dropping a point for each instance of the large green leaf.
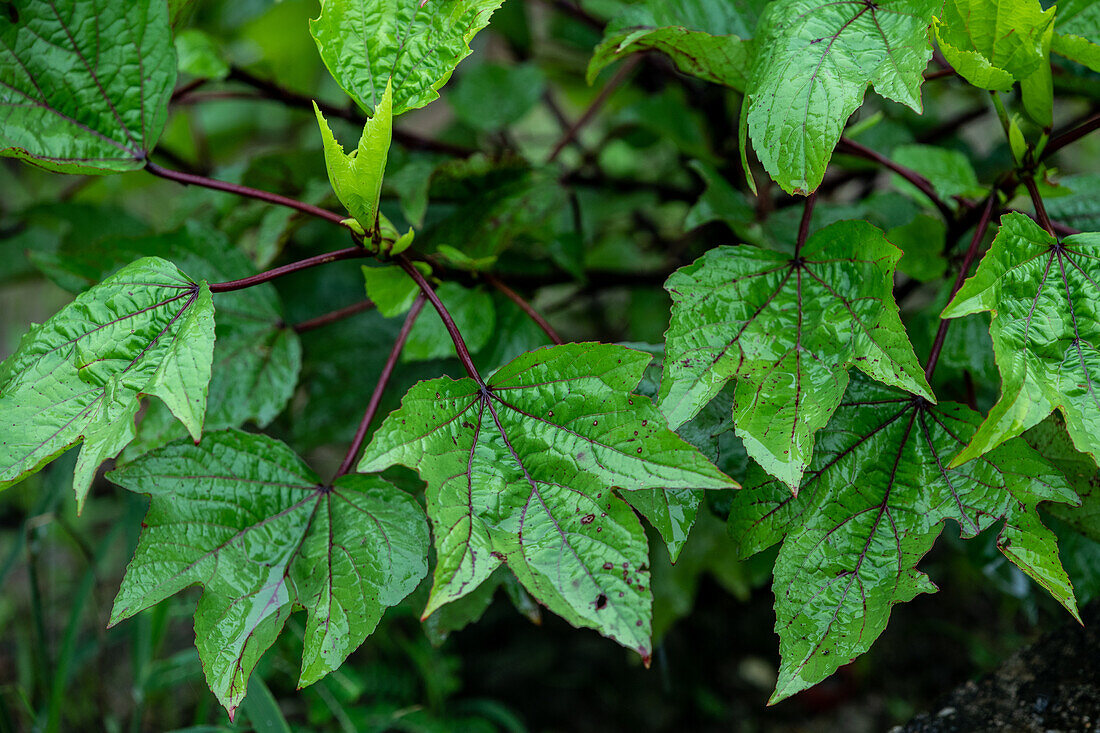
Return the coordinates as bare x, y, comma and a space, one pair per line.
413, 45
787, 329
149, 329
1053, 442
244, 517
523, 471
873, 504
257, 357
993, 43
814, 61
1077, 32
704, 39
1043, 295
84, 84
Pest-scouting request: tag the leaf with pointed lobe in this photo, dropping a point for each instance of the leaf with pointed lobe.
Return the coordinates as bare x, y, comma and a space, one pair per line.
1043, 295
243, 516
84, 84
787, 330
147, 330
814, 61
1052, 441
410, 44
523, 471
873, 502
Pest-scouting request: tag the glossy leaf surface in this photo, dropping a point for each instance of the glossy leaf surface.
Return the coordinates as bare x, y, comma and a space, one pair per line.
149, 329
244, 517
84, 84
523, 472
1043, 295
814, 61
413, 45
1077, 32
787, 330
871, 507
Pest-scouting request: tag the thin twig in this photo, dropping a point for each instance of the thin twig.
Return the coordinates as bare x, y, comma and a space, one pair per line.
1040, 208
1073, 135
526, 307
191, 179
336, 315
628, 66
247, 282
923, 184
964, 270
444, 315
380, 387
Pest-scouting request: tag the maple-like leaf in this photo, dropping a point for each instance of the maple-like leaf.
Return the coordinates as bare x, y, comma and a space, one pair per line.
147, 330
814, 61
411, 44
875, 500
523, 471
787, 329
244, 517
1043, 295
84, 86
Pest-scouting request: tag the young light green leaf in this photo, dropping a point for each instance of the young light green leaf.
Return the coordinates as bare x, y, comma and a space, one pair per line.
523, 470
84, 86
473, 313
390, 289
993, 43
872, 505
244, 517
814, 61
703, 39
409, 44
1077, 32
148, 330
787, 329
356, 177
1045, 328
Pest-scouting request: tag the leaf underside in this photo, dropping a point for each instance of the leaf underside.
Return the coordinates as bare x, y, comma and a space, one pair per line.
84, 85
873, 503
787, 329
244, 517
522, 472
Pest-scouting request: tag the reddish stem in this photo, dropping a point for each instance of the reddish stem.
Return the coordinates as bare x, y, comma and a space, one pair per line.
332, 317
620, 76
1060, 141
964, 269
444, 315
526, 307
804, 225
923, 184
263, 277
380, 388
190, 179
1040, 208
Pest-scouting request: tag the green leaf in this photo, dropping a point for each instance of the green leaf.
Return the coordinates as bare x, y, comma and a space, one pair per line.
704, 39
244, 517
720, 201
390, 289
199, 55
149, 330
1080, 208
473, 313
257, 357
78, 102
814, 61
788, 330
922, 242
1052, 442
413, 45
1077, 32
1042, 294
871, 507
992, 43
357, 177
522, 472
492, 96
949, 171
